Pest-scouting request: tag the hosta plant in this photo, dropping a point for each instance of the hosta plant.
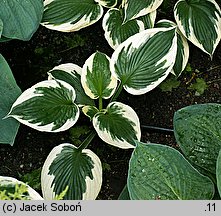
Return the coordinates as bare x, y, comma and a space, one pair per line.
196, 21
20, 19
54, 105
194, 172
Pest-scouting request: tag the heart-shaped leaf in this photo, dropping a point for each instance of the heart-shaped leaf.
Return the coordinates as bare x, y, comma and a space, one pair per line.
161, 172
9, 91
107, 3
116, 31
197, 130
118, 125
134, 9
71, 73
218, 172
8, 184
97, 79
67, 166
145, 59
21, 18
199, 21
68, 16
47, 106
182, 48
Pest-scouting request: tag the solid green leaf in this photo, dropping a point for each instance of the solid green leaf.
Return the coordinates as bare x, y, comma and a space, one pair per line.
200, 86
134, 9
47, 106
1, 27
218, 172
69, 15
182, 48
97, 79
145, 59
197, 130
169, 84
71, 73
118, 125
116, 31
20, 18
9, 184
159, 172
199, 21
68, 166
9, 91
124, 195
107, 3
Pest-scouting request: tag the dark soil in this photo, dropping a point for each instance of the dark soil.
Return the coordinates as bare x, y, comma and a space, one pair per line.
30, 62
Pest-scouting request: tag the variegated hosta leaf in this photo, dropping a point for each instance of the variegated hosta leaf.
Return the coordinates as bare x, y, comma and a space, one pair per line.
8, 184
20, 18
182, 48
107, 3
144, 60
149, 19
66, 166
47, 106
200, 22
161, 172
116, 31
90, 111
118, 125
96, 78
70, 15
134, 9
71, 73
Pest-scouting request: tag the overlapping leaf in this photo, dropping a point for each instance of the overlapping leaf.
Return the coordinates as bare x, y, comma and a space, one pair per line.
20, 18
9, 91
66, 166
71, 73
116, 31
1, 27
107, 3
134, 9
118, 125
96, 78
69, 15
47, 106
144, 60
197, 130
161, 172
200, 22
8, 184
182, 48
149, 19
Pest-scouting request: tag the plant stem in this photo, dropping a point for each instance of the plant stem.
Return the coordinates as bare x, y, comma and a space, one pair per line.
117, 92
100, 103
87, 141
157, 129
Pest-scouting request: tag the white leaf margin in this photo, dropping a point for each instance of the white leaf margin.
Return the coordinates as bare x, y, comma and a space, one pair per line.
145, 11
69, 27
185, 44
128, 113
88, 65
192, 38
107, 34
105, 4
135, 42
93, 186
30, 93
67, 67
32, 193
